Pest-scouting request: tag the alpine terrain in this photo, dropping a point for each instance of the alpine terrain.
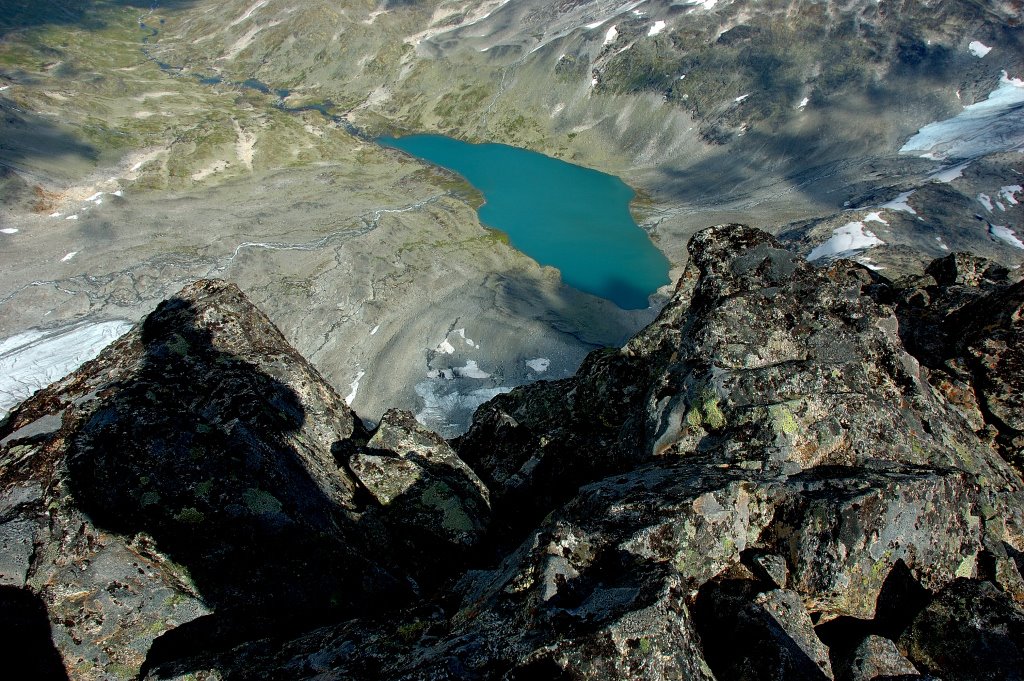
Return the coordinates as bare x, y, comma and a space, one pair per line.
279, 399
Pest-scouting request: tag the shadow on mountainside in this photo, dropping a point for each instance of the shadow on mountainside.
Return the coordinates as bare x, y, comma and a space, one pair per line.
26, 138
202, 451
16, 15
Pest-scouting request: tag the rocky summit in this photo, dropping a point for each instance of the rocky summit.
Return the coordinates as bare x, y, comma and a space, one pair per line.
792, 473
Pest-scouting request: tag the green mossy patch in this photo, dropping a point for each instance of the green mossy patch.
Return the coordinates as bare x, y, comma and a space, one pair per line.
261, 502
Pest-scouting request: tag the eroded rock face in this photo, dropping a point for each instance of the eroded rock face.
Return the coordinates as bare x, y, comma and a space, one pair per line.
431, 504
762, 484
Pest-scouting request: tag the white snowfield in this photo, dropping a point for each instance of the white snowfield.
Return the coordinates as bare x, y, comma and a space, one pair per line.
1007, 235
540, 365
947, 175
900, 203
471, 370
442, 404
1009, 193
35, 359
994, 125
847, 240
978, 48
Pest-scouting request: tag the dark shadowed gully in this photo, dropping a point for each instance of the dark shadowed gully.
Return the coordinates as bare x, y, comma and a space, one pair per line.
793, 473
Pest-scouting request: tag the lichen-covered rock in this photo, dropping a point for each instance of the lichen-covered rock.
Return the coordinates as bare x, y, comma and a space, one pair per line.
783, 467
430, 502
778, 641
967, 325
971, 631
844, 530
874, 657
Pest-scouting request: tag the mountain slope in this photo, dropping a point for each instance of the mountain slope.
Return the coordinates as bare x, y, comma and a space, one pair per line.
785, 473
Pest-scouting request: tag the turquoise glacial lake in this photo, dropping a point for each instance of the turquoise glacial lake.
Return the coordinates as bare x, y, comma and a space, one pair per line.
563, 215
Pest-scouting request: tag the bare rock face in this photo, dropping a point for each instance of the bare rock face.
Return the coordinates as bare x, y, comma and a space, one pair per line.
787, 475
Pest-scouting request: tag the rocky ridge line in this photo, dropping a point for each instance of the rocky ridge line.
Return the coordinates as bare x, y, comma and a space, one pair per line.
810, 462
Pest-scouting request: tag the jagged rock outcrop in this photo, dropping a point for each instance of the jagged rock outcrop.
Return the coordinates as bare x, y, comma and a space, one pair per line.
963, 320
763, 484
187, 470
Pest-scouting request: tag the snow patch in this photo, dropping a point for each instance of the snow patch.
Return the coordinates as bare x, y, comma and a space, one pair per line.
9, 230
947, 175
1006, 234
1009, 193
875, 217
867, 262
354, 385
978, 48
611, 35
447, 411
540, 365
985, 200
248, 13
374, 330
845, 240
741, 98
445, 348
5, 87
71, 217
35, 359
471, 370
55, 215
900, 203
657, 28
69, 256
803, 103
